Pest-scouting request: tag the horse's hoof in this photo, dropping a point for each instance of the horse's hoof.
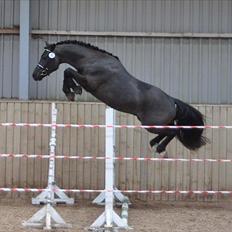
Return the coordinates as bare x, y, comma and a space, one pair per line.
71, 96
163, 154
160, 149
153, 149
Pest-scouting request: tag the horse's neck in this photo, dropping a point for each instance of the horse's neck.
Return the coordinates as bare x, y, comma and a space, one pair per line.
72, 54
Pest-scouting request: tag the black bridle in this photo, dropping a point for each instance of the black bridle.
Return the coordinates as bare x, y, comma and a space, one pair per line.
44, 70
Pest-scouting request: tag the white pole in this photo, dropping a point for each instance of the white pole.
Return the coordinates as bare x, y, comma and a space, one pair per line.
47, 217
109, 219
51, 172
109, 167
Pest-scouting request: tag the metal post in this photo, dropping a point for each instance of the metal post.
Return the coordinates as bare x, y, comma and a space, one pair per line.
24, 49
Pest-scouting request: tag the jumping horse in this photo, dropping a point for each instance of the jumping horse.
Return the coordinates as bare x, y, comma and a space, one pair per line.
103, 75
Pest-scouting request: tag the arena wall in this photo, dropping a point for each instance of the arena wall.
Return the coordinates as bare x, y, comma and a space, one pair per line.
181, 46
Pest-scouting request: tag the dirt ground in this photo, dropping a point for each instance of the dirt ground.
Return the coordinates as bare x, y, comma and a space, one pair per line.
155, 216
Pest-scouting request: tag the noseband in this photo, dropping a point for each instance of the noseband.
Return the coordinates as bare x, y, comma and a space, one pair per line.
44, 70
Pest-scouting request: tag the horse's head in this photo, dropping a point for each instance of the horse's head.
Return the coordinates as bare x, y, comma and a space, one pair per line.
49, 62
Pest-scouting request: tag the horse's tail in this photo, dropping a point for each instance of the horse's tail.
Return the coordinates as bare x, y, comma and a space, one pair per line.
188, 116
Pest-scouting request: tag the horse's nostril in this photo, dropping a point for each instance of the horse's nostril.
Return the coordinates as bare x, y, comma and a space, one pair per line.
44, 72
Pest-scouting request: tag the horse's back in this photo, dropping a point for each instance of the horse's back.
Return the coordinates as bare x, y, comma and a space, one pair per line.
112, 84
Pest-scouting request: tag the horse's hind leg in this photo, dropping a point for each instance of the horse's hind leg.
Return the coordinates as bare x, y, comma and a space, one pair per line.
162, 146
156, 140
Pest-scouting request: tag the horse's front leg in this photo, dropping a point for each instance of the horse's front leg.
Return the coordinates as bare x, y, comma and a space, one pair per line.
70, 88
80, 79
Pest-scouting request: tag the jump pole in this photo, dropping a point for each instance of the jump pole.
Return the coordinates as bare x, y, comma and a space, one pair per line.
109, 219
47, 217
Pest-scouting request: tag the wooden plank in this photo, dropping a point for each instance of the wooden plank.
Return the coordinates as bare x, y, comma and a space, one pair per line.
46, 109
73, 147
171, 151
201, 166
122, 152
94, 147
223, 149
59, 145
3, 118
177, 155
87, 150
229, 150
23, 147
150, 168
182, 150
101, 149
193, 181
136, 152
158, 177
117, 149
31, 148
144, 165
38, 145
179, 170
187, 172
9, 146
129, 153
194, 174
164, 178
216, 148
80, 147
209, 149
66, 147
16, 148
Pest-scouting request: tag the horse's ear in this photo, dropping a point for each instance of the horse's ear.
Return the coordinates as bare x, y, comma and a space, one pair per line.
46, 44
51, 47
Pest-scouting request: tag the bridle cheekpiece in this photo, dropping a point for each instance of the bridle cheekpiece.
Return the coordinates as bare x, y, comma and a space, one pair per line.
45, 70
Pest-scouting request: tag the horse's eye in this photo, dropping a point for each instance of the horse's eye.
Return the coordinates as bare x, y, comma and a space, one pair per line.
51, 55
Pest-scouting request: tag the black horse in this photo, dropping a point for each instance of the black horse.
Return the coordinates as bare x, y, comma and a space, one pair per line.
103, 75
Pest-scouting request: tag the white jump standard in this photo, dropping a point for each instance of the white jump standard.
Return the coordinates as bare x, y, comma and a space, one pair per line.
47, 217
118, 196
56, 196
109, 220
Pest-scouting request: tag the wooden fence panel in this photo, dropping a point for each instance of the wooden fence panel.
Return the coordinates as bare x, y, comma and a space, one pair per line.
89, 174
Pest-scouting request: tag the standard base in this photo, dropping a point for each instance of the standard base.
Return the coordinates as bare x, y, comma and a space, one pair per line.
118, 223
59, 197
46, 218
118, 197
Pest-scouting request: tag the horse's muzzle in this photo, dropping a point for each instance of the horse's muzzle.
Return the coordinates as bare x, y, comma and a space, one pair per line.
39, 74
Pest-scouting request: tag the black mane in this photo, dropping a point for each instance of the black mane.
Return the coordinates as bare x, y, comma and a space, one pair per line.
81, 43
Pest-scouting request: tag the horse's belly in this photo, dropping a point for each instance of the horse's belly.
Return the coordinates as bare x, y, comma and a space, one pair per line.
120, 101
